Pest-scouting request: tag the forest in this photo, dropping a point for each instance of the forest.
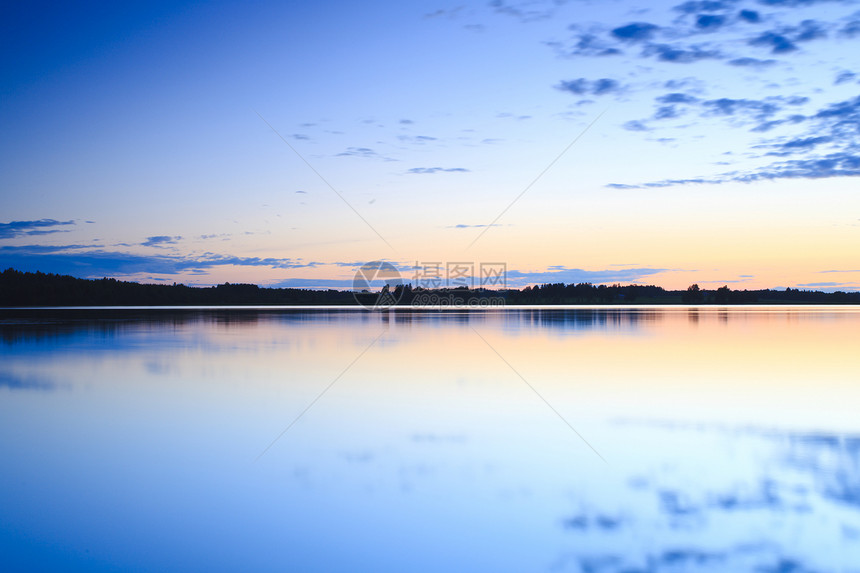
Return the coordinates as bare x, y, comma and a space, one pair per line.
40, 289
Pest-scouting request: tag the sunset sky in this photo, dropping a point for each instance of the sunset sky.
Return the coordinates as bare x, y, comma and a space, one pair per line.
287, 143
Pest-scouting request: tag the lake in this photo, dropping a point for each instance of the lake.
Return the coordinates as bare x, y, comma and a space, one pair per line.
574, 439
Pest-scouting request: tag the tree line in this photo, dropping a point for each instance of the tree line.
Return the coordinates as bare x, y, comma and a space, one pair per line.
40, 289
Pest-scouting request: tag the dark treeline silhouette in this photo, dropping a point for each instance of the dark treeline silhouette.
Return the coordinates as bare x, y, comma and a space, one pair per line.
39, 289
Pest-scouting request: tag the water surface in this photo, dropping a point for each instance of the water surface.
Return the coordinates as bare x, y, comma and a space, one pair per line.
651, 439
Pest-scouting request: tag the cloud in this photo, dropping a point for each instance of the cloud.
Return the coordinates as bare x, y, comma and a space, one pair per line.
710, 22
759, 110
750, 16
803, 144
635, 32
785, 39
695, 6
314, 284
751, 62
430, 170
680, 54
636, 125
840, 164
462, 226
585, 44
89, 261
27, 228
777, 43
676, 97
823, 284
560, 274
365, 152
419, 139
851, 29
160, 241
844, 77
676, 104
526, 10
358, 151
582, 86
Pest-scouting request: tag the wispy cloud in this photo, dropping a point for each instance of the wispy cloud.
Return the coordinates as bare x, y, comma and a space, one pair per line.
764, 37
561, 274
417, 139
30, 228
462, 226
365, 152
431, 170
160, 241
582, 86
315, 284
91, 261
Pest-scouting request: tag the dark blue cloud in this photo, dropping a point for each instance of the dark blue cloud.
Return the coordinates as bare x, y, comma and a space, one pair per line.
418, 139
636, 125
750, 16
845, 111
777, 43
680, 54
770, 124
844, 77
785, 39
696, 6
677, 98
803, 143
710, 21
796, 3
822, 284
635, 32
584, 522
587, 44
24, 228
839, 164
358, 152
809, 30
851, 29
339, 284
758, 109
751, 62
568, 275
525, 11
582, 86
668, 112
86, 262
669, 108
431, 170
160, 240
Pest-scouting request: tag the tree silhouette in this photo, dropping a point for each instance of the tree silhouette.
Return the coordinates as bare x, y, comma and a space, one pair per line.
693, 295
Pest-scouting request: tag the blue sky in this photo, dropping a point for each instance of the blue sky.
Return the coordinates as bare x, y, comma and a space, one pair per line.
286, 143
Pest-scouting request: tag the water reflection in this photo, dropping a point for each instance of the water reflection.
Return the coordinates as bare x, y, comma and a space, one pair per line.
788, 497
731, 436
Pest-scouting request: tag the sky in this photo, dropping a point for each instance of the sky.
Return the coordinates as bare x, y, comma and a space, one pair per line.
285, 144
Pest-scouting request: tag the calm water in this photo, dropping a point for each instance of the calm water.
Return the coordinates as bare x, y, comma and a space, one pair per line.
445, 441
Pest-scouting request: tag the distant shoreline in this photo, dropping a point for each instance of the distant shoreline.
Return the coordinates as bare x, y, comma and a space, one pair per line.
20, 290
